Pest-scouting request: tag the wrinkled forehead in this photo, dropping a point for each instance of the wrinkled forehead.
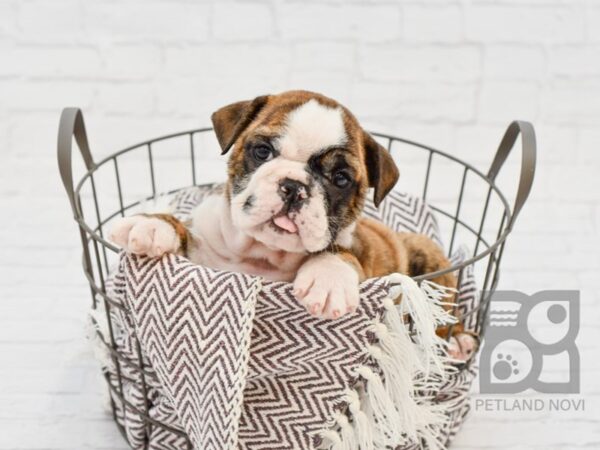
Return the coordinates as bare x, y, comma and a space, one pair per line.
302, 130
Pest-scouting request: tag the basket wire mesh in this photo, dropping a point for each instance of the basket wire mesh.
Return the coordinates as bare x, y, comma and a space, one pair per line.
99, 254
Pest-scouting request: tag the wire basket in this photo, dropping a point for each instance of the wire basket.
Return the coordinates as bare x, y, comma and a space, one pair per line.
101, 196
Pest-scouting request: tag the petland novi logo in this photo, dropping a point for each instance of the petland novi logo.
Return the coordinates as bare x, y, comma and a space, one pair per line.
524, 335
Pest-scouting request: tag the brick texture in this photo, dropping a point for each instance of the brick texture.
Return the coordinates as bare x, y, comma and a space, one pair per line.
449, 73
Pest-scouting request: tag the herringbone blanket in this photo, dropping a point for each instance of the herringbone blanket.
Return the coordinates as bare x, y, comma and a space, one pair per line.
222, 360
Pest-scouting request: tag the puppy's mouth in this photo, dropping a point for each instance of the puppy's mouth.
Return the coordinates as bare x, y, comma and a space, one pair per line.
284, 224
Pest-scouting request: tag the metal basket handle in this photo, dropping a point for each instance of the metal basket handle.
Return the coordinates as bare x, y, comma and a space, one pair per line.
528, 161
72, 125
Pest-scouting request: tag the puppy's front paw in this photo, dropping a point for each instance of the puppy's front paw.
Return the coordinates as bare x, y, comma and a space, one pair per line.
327, 286
145, 236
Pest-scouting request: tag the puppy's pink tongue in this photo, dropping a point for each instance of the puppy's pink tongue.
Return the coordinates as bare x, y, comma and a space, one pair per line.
286, 223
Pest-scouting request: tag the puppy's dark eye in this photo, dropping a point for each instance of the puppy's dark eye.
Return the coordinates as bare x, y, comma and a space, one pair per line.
341, 179
262, 153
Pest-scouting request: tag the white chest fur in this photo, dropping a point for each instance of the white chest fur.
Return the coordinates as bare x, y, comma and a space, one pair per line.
219, 245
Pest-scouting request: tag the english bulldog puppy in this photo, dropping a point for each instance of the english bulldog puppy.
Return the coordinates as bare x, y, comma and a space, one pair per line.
299, 172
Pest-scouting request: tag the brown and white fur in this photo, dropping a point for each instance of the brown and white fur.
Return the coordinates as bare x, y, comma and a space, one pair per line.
298, 175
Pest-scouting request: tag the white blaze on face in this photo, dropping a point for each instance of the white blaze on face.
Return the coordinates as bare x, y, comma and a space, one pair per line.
308, 129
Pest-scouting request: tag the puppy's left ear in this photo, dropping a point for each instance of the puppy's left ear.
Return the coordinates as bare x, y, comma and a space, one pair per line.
231, 120
381, 168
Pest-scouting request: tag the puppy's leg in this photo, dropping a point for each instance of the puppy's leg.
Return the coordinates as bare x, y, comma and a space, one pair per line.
327, 284
425, 256
150, 234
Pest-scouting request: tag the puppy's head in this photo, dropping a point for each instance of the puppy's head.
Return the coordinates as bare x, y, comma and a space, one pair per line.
300, 169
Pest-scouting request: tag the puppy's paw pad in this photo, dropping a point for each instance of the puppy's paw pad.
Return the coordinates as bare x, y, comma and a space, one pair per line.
462, 347
145, 236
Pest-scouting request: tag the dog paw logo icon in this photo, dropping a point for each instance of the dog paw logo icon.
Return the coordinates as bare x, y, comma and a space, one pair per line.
524, 334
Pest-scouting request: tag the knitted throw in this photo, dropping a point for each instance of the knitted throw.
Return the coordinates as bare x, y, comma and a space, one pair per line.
236, 362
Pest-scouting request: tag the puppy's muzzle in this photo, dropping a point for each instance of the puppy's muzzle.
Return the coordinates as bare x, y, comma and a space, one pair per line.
293, 193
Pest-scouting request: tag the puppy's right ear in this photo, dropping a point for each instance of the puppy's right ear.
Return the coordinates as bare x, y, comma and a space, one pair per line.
231, 120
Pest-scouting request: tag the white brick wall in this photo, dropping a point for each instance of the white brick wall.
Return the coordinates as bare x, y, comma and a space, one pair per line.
451, 73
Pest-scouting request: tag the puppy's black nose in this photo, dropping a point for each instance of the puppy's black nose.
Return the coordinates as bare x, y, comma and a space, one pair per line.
293, 192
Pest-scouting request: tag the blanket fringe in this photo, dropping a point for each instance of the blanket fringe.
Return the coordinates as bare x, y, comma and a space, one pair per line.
362, 426
343, 439
97, 325
394, 402
348, 438
424, 305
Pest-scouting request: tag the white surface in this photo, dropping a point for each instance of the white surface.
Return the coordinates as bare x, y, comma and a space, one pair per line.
448, 73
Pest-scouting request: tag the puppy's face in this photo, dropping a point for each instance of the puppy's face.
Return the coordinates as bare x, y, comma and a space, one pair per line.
299, 170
